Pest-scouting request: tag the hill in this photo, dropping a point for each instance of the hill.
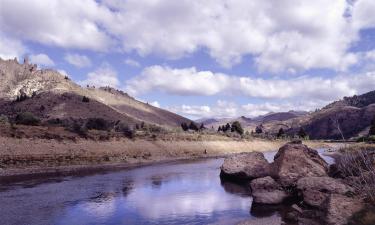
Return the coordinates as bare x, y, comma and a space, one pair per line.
349, 117
50, 95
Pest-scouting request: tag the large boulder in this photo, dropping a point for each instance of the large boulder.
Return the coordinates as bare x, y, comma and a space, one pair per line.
316, 190
339, 209
294, 161
245, 166
267, 191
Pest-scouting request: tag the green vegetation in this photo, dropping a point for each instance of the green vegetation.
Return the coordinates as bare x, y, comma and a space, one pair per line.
98, 124
27, 118
281, 133
236, 127
372, 128
85, 99
4, 119
302, 133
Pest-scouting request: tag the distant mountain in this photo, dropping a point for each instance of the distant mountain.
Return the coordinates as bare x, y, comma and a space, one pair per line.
279, 116
49, 95
351, 115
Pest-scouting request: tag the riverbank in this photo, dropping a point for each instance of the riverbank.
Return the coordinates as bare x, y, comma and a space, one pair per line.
24, 157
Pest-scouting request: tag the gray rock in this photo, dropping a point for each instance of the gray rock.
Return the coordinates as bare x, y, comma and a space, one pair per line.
266, 191
315, 190
340, 208
244, 166
294, 161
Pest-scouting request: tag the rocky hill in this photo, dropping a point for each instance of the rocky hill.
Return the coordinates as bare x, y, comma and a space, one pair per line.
50, 95
351, 115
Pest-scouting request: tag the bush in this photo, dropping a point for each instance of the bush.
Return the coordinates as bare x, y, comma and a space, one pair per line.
79, 129
27, 118
184, 126
259, 129
281, 133
302, 133
236, 127
372, 128
125, 129
358, 165
85, 99
193, 126
4, 119
98, 124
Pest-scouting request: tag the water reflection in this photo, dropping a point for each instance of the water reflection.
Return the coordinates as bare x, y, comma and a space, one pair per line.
174, 193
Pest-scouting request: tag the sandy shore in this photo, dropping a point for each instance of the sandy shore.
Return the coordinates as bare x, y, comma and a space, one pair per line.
22, 157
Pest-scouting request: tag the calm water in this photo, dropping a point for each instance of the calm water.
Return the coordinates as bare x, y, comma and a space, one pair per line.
172, 193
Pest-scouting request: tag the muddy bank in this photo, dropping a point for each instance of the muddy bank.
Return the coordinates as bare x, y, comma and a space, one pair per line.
34, 156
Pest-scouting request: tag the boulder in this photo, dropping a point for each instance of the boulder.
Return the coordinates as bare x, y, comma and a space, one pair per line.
315, 190
339, 209
266, 191
294, 161
245, 166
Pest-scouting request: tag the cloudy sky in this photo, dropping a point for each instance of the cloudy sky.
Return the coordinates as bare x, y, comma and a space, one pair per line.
206, 58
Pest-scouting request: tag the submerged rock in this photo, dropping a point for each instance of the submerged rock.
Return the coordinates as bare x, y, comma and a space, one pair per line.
266, 191
245, 166
316, 190
294, 161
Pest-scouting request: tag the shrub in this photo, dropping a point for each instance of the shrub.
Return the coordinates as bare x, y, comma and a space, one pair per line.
4, 119
85, 99
193, 126
302, 133
79, 129
125, 129
358, 165
226, 127
27, 118
372, 128
281, 133
184, 126
259, 129
236, 127
98, 124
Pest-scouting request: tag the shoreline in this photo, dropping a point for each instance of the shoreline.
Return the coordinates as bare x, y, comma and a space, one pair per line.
29, 158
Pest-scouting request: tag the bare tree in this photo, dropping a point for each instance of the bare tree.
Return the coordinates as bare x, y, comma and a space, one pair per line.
336, 123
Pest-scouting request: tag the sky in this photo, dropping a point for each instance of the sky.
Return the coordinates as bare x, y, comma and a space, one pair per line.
207, 58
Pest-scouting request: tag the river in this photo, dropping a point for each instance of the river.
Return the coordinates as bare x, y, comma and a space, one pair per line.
187, 192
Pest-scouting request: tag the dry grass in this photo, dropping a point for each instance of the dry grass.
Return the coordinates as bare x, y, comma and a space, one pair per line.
357, 164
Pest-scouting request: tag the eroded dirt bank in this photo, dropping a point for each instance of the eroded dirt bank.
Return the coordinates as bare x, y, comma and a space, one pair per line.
33, 156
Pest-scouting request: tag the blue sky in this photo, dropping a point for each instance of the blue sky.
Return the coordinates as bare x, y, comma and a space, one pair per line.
208, 58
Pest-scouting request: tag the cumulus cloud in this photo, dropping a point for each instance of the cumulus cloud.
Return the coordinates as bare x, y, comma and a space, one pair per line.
41, 59
11, 48
68, 24
105, 75
281, 35
224, 109
78, 60
189, 81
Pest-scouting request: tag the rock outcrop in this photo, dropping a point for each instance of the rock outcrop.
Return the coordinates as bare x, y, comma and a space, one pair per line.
316, 190
294, 161
267, 191
245, 166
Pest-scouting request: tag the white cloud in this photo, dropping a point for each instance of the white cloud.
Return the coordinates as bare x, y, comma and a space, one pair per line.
63, 72
282, 35
132, 62
11, 48
105, 75
68, 24
189, 81
155, 103
78, 60
41, 59
224, 109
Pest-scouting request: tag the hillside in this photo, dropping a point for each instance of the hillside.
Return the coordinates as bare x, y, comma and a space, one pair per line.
50, 95
352, 115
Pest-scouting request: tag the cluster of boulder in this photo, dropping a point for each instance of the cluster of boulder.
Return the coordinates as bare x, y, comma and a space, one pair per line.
298, 173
